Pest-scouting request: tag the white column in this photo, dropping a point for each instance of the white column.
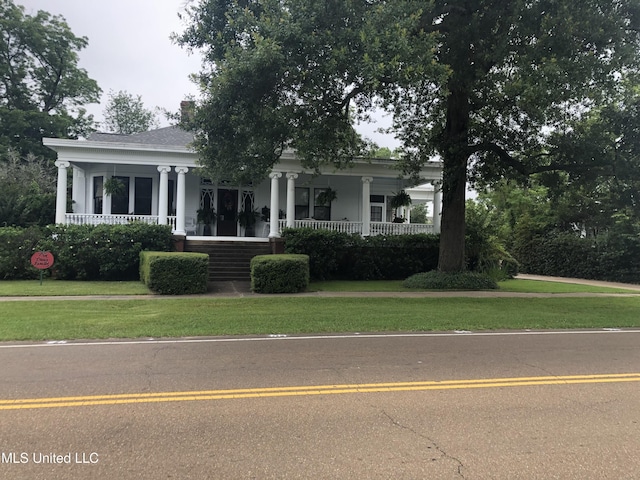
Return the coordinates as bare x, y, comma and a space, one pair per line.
106, 199
407, 214
181, 201
78, 191
366, 206
163, 195
275, 194
437, 206
61, 195
291, 199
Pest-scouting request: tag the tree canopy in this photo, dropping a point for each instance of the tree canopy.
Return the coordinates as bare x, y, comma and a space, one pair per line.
42, 88
126, 114
495, 88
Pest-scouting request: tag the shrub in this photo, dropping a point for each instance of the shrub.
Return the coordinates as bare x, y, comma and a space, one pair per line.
174, 273
610, 256
16, 247
351, 257
327, 250
286, 273
103, 252
435, 280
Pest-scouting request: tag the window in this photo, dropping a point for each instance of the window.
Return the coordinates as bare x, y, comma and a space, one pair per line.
142, 196
120, 200
302, 203
377, 208
321, 211
171, 208
97, 194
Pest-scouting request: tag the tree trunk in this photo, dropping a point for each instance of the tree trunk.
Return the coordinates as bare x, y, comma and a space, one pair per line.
454, 182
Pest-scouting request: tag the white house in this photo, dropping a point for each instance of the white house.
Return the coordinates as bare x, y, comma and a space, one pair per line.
158, 172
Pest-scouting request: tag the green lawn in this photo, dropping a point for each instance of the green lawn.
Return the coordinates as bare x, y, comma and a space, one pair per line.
177, 317
61, 319
57, 287
32, 288
532, 286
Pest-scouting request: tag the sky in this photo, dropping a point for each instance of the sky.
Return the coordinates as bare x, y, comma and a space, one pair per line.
130, 49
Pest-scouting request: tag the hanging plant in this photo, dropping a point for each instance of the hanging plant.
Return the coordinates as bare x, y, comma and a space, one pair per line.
114, 186
326, 197
400, 199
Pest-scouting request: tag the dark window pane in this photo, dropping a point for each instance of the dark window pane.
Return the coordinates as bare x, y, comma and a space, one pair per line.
143, 195
97, 195
120, 201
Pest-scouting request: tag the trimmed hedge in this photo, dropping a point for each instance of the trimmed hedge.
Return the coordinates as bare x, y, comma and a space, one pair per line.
336, 255
103, 252
613, 257
174, 273
16, 247
285, 273
435, 280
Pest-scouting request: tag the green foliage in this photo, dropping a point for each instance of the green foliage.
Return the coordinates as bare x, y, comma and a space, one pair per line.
102, 252
174, 273
16, 247
352, 257
419, 214
287, 273
296, 74
435, 280
613, 257
27, 190
485, 248
125, 114
502, 83
324, 248
43, 88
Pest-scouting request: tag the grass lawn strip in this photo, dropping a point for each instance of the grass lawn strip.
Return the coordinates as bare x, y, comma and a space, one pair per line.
32, 288
67, 320
26, 288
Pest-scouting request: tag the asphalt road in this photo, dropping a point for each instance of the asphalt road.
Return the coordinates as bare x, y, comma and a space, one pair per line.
442, 406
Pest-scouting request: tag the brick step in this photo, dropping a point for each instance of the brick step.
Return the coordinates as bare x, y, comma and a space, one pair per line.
229, 261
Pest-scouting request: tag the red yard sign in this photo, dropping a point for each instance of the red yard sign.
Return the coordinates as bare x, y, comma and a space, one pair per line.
42, 260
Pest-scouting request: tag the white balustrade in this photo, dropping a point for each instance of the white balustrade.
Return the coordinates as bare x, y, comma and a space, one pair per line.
99, 219
377, 228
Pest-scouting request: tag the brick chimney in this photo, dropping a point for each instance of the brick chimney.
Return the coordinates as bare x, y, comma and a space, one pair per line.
186, 111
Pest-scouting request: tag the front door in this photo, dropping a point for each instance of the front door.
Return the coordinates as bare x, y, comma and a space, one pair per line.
227, 213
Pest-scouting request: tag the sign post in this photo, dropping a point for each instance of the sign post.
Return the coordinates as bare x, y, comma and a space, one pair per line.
42, 261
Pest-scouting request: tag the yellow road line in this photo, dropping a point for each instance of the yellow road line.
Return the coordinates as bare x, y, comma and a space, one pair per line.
121, 399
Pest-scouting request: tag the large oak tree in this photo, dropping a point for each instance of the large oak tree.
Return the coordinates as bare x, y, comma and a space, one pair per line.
491, 86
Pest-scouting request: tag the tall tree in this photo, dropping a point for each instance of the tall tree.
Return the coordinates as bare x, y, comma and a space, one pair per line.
42, 88
491, 86
126, 114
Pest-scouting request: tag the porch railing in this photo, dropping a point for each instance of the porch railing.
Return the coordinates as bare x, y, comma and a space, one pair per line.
387, 228
337, 226
376, 228
99, 219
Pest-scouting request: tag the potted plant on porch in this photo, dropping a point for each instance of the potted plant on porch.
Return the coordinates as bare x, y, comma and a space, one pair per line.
247, 219
207, 216
400, 199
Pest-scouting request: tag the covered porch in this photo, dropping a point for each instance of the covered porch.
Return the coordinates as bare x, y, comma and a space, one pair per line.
161, 185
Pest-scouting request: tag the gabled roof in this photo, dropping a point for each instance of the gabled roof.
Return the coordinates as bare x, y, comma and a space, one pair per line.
167, 136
